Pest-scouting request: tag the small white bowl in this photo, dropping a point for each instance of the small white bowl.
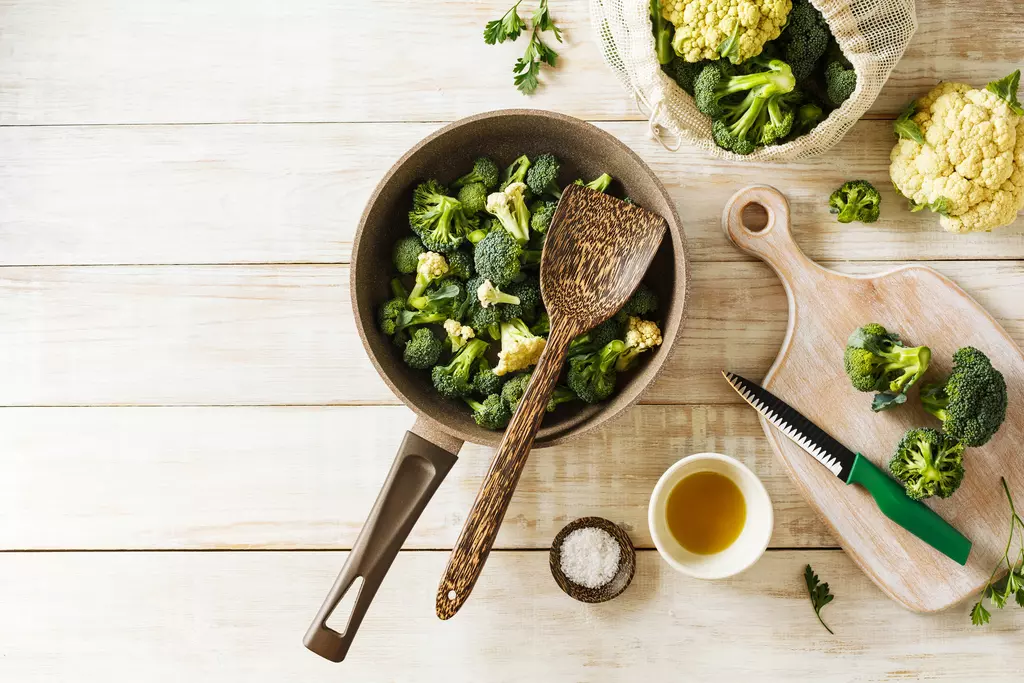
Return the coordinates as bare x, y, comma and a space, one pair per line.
745, 550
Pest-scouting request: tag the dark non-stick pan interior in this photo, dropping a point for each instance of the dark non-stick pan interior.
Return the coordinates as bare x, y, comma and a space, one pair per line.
585, 152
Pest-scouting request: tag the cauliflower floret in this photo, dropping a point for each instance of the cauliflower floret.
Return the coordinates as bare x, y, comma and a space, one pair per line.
703, 25
458, 334
641, 335
971, 167
431, 265
520, 348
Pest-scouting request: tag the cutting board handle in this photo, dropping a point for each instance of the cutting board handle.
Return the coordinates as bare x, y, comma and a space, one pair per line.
773, 243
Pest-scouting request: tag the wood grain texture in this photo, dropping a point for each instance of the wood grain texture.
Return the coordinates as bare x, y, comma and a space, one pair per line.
317, 60
306, 477
923, 307
293, 193
597, 251
167, 617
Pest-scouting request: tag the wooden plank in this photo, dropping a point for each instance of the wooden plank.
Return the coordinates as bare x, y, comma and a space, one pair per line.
208, 61
210, 335
189, 616
306, 477
294, 193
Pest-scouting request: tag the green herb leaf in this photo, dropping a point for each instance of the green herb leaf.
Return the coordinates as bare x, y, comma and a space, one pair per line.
525, 78
1006, 89
906, 128
885, 401
507, 28
542, 20
979, 615
1020, 597
818, 593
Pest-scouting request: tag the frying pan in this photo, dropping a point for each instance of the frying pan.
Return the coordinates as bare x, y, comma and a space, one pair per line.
428, 451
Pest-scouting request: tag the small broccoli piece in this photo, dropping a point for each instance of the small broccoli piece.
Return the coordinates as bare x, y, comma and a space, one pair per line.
453, 380
407, 319
502, 205
643, 302
437, 218
541, 213
473, 198
520, 348
808, 115
805, 38
515, 173
458, 334
485, 172
489, 295
542, 177
485, 319
840, 77
485, 382
460, 264
422, 350
496, 257
855, 200
543, 325
600, 183
928, 463
561, 394
779, 122
398, 290
875, 360
641, 335
445, 297
430, 268
663, 30
387, 315
515, 387
493, 413
406, 253
592, 376
972, 402
527, 291
475, 236
739, 126
594, 339
684, 73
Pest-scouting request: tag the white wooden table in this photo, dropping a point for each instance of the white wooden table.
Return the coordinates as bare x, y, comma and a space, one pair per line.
191, 435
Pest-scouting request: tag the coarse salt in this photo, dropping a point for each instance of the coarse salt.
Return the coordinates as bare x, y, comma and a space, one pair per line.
590, 557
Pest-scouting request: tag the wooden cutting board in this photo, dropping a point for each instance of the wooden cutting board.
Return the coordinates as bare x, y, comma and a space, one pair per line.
924, 308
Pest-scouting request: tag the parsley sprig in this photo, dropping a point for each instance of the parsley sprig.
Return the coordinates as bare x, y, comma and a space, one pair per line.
1012, 585
819, 594
510, 26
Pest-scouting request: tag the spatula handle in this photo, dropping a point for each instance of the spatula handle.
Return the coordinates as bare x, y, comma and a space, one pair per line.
912, 515
481, 527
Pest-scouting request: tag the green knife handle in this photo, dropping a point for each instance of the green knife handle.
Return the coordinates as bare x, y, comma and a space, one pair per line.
912, 515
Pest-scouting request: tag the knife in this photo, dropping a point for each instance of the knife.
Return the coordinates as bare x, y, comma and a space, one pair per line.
854, 468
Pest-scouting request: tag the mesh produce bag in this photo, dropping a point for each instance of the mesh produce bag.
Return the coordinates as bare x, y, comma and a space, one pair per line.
872, 33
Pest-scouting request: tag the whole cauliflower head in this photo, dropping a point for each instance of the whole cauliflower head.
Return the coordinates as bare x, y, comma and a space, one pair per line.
971, 163
702, 26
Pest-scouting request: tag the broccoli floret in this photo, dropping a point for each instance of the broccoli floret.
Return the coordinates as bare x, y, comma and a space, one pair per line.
541, 213
779, 122
592, 376
430, 268
406, 253
437, 218
527, 291
972, 402
485, 319
600, 183
876, 360
561, 394
739, 125
460, 264
643, 302
489, 295
422, 350
473, 198
520, 348
446, 297
496, 257
684, 73
485, 382
805, 39
808, 115
515, 387
543, 324
493, 413
542, 177
453, 380
407, 319
855, 200
595, 339
504, 207
485, 172
840, 78
515, 173
388, 313
928, 463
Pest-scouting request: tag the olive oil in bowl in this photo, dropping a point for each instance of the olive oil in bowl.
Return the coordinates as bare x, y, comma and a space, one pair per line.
706, 512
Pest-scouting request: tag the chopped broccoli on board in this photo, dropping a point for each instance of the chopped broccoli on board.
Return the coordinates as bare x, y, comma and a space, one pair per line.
928, 463
972, 401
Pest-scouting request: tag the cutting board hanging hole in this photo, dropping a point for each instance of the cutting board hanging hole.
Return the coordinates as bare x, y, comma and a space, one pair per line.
754, 217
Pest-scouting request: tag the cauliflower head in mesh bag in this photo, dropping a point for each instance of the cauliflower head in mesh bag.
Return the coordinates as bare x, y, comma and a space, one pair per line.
961, 154
737, 29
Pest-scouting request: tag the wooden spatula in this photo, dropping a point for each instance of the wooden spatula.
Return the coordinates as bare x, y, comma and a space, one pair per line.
598, 249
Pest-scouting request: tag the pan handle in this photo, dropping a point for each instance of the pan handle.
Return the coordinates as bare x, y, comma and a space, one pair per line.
418, 470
